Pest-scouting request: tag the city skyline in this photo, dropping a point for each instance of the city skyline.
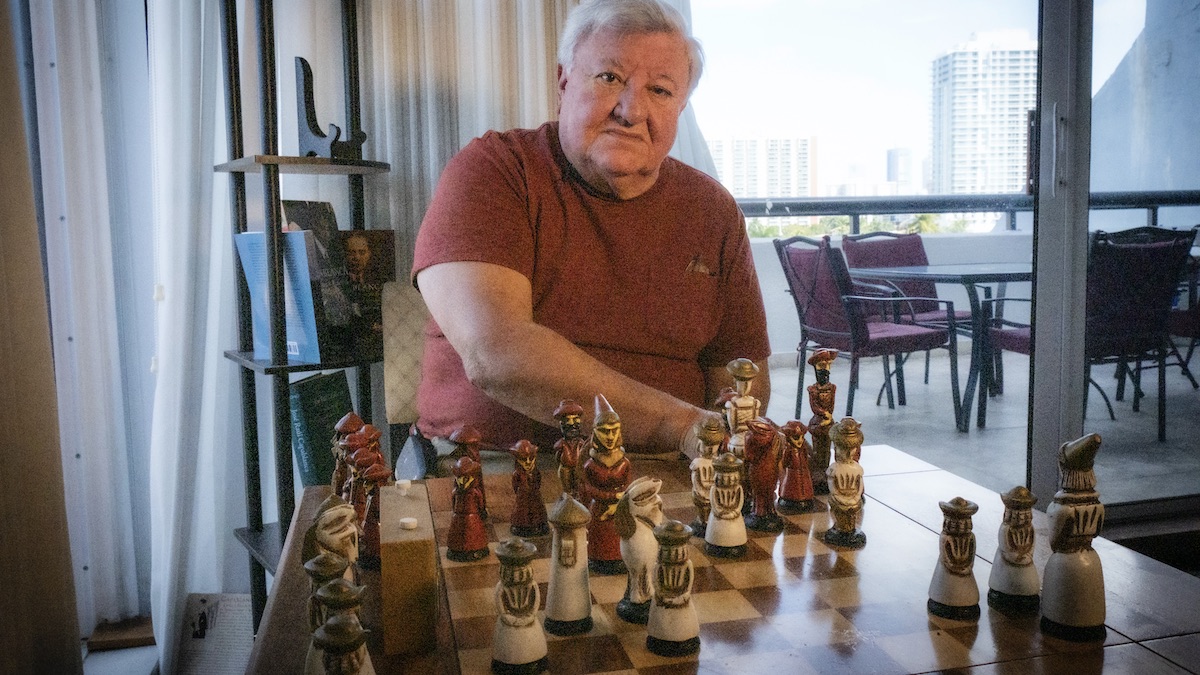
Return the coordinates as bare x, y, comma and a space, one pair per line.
857, 78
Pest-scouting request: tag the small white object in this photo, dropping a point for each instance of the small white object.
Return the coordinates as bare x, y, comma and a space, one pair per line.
403, 485
408, 523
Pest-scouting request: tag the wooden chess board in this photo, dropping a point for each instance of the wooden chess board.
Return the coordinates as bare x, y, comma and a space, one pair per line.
793, 604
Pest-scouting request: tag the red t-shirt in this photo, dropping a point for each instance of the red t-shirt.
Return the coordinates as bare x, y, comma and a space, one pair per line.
657, 287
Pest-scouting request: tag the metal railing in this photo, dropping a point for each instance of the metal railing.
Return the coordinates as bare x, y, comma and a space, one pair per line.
1008, 204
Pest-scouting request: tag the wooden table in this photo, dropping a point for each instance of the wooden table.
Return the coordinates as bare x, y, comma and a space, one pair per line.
792, 604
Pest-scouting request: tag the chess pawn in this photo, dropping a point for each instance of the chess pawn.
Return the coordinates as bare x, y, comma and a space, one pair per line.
821, 400
467, 440
1073, 581
673, 628
725, 535
529, 512
710, 434
764, 451
638, 513
349, 424
569, 450
606, 474
334, 530
467, 540
343, 642
568, 595
1013, 584
741, 407
795, 487
376, 475
518, 643
321, 569
953, 593
845, 477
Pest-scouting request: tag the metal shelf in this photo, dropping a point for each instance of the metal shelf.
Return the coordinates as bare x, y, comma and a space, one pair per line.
309, 165
266, 367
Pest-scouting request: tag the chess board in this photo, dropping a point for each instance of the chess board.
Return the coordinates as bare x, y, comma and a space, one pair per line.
793, 604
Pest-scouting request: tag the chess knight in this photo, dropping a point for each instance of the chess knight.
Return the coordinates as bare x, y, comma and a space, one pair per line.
606, 475
674, 627
953, 593
518, 643
764, 454
710, 434
845, 477
741, 407
334, 530
821, 400
1073, 584
1013, 585
568, 596
568, 450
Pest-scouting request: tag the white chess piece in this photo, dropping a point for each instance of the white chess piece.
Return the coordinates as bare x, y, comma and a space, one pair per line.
568, 596
673, 628
638, 512
1013, 585
518, 643
726, 532
953, 593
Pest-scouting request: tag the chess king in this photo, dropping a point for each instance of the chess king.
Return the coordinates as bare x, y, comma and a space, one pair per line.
1073, 582
821, 400
606, 475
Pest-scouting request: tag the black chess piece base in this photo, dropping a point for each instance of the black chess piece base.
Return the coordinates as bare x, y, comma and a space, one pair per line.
633, 612
607, 567
530, 530
699, 528
1013, 605
1074, 633
792, 507
963, 613
672, 648
768, 522
724, 551
852, 539
568, 627
467, 556
531, 668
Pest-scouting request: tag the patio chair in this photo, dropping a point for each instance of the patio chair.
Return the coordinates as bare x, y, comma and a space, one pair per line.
892, 249
832, 315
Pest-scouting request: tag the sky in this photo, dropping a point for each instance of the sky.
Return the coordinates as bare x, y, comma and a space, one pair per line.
855, 73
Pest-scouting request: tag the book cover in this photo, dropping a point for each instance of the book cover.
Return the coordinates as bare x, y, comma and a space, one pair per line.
300, 311
371, 262
317, 403
329, 270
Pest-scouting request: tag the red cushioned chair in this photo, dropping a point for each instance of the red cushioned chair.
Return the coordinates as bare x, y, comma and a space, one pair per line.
832, 315
892, 249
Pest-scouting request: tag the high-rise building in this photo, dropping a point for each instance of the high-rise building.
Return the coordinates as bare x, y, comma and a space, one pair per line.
900, 170
771, 167
982, 92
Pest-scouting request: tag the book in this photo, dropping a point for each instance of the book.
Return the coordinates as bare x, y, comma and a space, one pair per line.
317, 402
301, 317
370, 257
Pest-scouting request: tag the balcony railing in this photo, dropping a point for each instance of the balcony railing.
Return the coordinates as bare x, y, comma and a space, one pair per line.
1008, 204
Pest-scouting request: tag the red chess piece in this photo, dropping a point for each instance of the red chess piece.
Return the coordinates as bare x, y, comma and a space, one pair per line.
467, 540
529, 512
764, 450
796, 493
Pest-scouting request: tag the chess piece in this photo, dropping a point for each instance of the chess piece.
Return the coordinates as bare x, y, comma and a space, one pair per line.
638, 512
467, 539
952, 591
568, 450
343, 642
518, 643
321, 569
821, 400
568, 596
376, 475
349, 424
795, 487
764, 452
1073, 582
334, 530
467, 440
529, 512
741, 407
673, 628
606, 474
725, 535
710, 434
845, 478
1013, 586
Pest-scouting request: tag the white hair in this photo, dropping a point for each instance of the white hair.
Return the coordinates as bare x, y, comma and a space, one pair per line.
628, 17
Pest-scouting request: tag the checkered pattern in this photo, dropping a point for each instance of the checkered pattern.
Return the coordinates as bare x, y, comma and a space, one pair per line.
791, 605
404, 316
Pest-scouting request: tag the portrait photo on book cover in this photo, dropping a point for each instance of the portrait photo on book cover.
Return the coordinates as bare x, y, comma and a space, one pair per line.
370, 257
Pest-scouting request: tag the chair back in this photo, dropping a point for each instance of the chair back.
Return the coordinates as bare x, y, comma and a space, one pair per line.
1131, 281
818, 278
890, 249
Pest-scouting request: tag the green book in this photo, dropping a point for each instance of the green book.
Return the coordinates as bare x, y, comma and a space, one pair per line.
317, 403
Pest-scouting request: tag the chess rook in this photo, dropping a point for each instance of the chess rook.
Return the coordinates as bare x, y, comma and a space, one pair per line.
952, 591
568, 595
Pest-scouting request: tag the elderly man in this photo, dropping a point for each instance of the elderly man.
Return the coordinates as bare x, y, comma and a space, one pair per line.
578, 259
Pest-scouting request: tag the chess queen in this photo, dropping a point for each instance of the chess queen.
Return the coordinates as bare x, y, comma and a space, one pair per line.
673, 628
725, 535
568, 596
1013, 585
606, 475
953, 593
518, 643
1073, 583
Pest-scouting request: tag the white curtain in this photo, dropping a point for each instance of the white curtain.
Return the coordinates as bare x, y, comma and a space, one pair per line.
690, 146
87, 362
